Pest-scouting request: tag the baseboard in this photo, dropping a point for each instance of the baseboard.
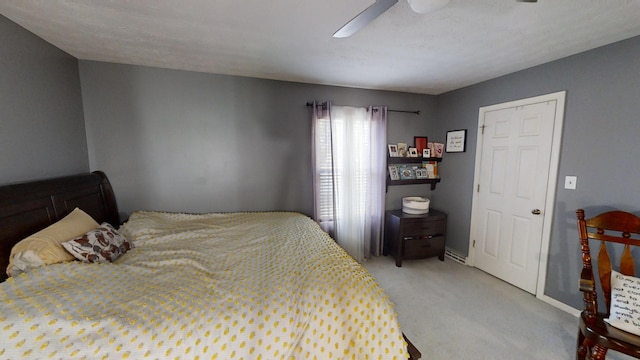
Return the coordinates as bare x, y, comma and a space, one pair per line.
455, 256
562, 306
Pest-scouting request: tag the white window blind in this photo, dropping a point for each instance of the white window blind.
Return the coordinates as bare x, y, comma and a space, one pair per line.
324, 170
345, 149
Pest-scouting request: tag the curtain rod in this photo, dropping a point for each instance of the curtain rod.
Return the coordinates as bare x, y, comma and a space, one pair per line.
417, 112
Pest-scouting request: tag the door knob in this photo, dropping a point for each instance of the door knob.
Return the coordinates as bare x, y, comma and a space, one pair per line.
536, 212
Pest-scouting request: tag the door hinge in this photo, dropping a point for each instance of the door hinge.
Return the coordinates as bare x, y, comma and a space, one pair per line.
482, 127
474, 244
478, 190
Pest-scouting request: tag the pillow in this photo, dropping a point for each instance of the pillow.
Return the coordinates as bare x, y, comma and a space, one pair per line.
100, 245
625, 307
43, 247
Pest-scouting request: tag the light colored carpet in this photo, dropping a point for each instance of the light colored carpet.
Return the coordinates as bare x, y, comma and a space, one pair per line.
452, 311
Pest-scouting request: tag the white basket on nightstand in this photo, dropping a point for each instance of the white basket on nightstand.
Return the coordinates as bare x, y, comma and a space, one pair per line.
415, 205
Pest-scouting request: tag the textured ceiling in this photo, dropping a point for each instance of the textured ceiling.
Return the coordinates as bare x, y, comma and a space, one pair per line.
464, 43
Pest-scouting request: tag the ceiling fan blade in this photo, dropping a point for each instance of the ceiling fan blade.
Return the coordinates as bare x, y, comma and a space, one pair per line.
365, 17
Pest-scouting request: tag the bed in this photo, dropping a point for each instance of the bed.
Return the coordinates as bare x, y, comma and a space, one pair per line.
254, 285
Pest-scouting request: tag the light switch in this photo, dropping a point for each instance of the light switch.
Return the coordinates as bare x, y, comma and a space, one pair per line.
570, 182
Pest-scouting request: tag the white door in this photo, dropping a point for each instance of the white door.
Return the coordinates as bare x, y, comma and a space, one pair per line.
513, 166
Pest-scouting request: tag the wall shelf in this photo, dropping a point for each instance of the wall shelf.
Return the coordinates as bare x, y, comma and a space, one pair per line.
433, 182
411, 160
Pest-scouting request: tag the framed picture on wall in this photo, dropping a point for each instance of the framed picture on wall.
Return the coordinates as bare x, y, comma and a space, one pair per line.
456, 141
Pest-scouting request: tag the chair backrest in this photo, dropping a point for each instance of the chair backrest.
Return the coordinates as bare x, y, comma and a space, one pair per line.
613, 227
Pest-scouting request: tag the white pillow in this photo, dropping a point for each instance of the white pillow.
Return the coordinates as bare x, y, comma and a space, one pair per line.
103, 244
625, 303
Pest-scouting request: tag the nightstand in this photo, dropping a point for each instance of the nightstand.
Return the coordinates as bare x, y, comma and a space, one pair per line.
408, 236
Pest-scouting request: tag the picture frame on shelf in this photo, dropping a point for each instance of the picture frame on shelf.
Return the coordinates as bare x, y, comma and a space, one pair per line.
437, 150
421, 143
422, 173
413, 152
393, 150
402, 149
407, 173
426, 153
393, 173
456, 141
430, 169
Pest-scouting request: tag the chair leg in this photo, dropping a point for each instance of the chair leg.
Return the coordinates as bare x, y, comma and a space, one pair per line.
581, 348
598, 352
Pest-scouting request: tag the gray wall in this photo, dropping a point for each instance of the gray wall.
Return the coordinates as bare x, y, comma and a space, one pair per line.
599, 145
186, 141
41, 125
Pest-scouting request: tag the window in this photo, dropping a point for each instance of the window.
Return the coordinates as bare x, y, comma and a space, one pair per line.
349, 150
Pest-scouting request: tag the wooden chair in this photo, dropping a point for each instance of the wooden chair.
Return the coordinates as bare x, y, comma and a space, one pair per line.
595, 336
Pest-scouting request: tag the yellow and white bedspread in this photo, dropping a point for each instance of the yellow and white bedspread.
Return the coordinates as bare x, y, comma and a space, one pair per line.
210, 286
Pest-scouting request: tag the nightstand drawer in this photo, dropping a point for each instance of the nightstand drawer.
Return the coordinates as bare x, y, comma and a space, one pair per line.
417, 229
421, 248
411, 236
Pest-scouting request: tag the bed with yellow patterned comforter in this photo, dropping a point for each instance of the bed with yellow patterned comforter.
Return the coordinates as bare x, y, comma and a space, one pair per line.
267, 285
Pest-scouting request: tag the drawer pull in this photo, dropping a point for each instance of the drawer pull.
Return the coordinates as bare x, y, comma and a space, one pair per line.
423, 237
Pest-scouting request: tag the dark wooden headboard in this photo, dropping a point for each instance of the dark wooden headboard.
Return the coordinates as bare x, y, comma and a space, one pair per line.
26, 208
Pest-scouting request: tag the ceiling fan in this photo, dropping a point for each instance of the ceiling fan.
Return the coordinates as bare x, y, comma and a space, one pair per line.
381, 6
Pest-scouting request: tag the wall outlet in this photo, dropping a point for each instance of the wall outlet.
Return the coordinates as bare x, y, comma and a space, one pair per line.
570, 182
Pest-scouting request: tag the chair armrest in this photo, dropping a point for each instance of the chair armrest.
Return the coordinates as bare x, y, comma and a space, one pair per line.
586, 281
